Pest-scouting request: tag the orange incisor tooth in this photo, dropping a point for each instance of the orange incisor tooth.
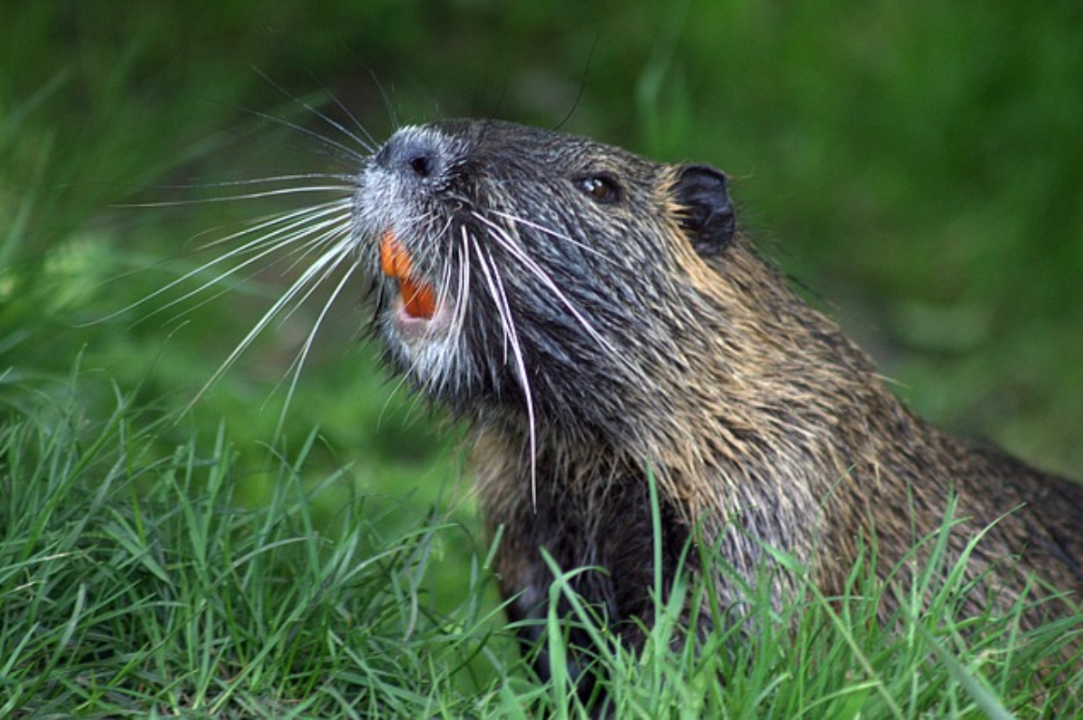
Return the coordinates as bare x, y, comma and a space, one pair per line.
393, 258
418, 298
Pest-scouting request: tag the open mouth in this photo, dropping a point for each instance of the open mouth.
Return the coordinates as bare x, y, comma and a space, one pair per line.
418, 298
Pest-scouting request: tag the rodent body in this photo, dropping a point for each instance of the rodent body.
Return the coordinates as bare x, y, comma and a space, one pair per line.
597, 316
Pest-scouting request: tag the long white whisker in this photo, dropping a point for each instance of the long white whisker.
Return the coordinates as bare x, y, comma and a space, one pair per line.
273, 192
496, 290
310, 245
554, 234
399, 383
303, 286
502, 236
297, 226
365, 139
500, 299
328, 231
463, 289
324, 265
312, 133
302, 355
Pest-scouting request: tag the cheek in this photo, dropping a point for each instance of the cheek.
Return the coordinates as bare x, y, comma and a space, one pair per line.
631, 252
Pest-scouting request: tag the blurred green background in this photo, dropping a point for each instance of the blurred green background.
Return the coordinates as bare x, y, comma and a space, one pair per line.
917, 166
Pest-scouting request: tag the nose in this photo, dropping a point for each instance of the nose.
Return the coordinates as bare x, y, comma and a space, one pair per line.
411, 153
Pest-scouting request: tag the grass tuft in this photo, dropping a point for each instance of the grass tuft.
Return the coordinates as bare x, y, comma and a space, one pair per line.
825, 656
131, 583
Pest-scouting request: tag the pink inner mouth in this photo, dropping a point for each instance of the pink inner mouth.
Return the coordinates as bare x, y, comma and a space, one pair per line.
418, 298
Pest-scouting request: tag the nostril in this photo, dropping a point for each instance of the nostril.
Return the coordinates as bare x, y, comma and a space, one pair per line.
422, 164
411, 154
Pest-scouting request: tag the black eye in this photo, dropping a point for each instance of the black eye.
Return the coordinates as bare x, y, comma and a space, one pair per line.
602, 188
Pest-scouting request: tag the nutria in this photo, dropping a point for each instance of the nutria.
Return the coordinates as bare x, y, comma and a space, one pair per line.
596, 316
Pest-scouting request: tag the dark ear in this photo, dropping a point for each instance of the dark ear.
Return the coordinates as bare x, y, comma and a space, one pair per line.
707, 214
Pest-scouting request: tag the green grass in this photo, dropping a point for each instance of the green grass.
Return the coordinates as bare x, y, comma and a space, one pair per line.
133, 584
916, 166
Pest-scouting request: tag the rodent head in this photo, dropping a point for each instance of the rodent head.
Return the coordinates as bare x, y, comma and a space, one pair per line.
528, 269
